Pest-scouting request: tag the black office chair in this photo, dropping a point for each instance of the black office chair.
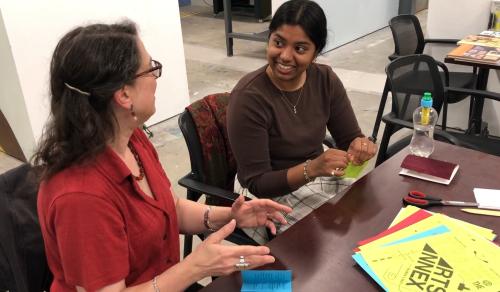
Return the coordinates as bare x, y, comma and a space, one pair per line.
409, 77
213, 167
23, 266
408, 40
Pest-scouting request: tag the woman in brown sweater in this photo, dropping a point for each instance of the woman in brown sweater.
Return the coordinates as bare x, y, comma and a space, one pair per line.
278, 116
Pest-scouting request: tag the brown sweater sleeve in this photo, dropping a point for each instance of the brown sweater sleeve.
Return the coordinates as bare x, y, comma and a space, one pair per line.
342, 123
247, 124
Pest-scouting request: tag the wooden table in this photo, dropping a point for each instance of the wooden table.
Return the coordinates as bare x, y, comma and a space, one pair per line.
476, 122
318, 249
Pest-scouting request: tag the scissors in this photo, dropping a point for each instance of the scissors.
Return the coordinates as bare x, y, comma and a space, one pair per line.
420, 199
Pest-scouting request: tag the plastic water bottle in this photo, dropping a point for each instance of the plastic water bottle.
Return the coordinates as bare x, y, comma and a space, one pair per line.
424, 120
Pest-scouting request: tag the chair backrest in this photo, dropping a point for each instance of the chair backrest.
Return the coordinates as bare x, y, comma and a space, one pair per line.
407, 35
23, 265
408, 40
203, 125
409, 77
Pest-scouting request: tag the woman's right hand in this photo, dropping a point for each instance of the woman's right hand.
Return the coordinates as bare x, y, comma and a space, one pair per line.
329, 163
211, 258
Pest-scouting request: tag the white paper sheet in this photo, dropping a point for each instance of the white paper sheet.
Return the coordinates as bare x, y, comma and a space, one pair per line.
487, 198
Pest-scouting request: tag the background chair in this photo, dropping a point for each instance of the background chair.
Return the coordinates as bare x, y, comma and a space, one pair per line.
213, 167
23, 265
409, 77
408, 40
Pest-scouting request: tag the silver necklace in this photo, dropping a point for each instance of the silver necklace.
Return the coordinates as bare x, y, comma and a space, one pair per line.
285, 99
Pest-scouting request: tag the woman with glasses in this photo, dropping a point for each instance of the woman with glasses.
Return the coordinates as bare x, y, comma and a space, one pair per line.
278, 116
108, 215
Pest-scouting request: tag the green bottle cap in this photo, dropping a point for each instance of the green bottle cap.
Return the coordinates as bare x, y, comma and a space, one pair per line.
426, 100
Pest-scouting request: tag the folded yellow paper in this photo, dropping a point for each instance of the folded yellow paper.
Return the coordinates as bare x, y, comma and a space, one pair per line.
482, 212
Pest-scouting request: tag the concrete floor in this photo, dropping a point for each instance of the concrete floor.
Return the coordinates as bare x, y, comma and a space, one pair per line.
359, 64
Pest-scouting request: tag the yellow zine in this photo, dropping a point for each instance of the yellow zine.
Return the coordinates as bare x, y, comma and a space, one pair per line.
452, 261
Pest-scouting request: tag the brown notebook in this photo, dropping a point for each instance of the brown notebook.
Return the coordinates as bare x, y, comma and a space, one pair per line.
429, 169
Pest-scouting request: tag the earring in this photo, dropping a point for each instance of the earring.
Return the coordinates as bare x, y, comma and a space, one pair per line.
134, 116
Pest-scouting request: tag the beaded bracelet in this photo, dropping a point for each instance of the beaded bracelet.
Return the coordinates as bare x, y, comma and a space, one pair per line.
206, 221
306, 176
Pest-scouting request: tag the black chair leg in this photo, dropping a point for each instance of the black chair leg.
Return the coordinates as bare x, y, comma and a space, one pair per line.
188, 244
381, 107
444, 113
382, 151
188, 239
193, 196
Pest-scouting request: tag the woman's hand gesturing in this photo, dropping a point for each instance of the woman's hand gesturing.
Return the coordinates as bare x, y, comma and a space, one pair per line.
211, 258
258, 212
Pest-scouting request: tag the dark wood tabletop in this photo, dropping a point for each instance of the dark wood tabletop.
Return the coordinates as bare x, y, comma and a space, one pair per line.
318, 249
472, 63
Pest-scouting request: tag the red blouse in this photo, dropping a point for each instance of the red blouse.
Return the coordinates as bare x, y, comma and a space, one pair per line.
99, 227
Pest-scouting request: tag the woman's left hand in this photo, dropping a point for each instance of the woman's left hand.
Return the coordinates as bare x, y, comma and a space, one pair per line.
258, 212
360, 150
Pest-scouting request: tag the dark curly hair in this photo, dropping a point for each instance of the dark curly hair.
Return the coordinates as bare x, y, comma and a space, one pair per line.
98, 60
308, 15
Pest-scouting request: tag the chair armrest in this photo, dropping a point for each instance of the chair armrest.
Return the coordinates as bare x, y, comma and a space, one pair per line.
390, 118
441, 41
393, 56
475, 92
437, 132
188, 181
446, 73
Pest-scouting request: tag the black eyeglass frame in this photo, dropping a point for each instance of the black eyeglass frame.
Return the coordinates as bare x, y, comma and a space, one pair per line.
156, 66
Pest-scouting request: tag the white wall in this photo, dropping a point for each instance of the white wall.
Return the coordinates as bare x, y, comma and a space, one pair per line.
12, 101
351, 19
456, 19
275, 4
30, 30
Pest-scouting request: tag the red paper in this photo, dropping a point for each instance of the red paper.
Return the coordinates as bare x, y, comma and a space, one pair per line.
412, 219
429, 166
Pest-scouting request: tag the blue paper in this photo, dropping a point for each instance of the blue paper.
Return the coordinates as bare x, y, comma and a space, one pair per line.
267, 280
362, 263
431, 232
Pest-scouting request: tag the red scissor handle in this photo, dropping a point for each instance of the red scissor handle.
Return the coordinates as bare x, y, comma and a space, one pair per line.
417, 195
420, 195
407, 200
420, 199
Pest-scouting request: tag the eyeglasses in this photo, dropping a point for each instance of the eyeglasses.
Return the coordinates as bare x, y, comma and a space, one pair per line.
155, 69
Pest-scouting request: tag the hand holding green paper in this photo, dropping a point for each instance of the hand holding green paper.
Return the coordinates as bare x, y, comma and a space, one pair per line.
353, 171
360, 150
345, 164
